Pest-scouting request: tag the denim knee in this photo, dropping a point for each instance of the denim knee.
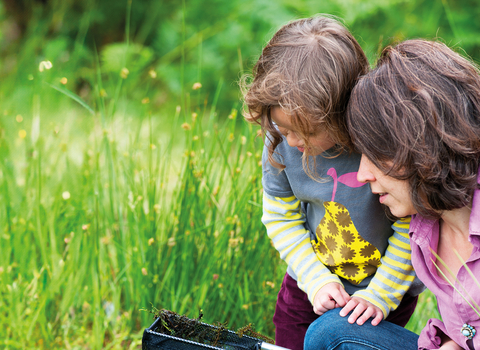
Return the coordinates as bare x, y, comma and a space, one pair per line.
333, 332
323, 332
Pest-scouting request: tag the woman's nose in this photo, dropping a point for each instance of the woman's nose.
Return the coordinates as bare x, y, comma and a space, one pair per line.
365, 173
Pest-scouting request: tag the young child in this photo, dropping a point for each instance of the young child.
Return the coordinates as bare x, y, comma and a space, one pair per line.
416, 119
340, 248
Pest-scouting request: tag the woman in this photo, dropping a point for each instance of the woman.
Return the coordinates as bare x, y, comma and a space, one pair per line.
416, 120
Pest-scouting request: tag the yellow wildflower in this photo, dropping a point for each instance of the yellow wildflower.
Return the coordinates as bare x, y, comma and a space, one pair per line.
124, 73
152, 74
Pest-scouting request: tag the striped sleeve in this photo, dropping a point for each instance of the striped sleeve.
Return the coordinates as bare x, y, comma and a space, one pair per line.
395, 274
284, 221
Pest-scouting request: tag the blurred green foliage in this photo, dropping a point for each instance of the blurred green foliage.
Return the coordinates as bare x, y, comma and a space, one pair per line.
189, 41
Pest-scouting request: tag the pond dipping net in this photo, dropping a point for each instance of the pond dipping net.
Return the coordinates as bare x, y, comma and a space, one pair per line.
171, 331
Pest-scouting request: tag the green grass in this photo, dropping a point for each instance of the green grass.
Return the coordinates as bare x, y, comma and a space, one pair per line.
104, 215
426, 309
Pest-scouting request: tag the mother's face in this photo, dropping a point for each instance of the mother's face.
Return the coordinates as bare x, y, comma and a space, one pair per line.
393, 193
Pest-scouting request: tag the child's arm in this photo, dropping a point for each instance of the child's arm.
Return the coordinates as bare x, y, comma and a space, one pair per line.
392, 279
284, 221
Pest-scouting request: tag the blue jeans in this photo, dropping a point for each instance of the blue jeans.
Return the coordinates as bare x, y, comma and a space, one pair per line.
333, 332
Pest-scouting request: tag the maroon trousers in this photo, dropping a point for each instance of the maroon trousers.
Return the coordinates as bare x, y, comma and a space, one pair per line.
294, 313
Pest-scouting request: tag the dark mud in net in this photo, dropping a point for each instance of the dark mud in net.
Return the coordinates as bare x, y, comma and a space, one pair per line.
174, 332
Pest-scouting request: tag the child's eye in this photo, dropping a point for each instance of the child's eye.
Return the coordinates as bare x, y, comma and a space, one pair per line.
315, 132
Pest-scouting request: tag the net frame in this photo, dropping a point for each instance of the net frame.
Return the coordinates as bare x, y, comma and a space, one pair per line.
225, 339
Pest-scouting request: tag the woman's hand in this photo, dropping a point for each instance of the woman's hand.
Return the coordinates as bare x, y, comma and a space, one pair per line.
362, 311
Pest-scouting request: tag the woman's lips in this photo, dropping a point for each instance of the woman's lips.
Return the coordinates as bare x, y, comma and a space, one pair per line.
301, 149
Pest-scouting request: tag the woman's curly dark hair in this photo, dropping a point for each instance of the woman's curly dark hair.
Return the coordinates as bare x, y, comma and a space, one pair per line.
419, 110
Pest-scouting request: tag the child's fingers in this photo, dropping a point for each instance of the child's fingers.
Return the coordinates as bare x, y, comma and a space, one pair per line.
341, 297
324, 304
319, 310
364, 316
348, 307
356, 313
330, 296
360, 311
378, 318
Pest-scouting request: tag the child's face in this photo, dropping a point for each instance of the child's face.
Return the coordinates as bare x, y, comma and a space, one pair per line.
319, 140
394, 193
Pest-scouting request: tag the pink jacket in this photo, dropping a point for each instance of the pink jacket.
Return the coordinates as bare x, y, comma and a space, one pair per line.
454, 310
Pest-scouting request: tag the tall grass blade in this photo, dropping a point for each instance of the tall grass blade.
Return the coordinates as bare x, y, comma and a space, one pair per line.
476, 310
72, 95
474, 278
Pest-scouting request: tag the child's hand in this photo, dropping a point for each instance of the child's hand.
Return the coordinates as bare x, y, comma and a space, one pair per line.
330, 296
362, 311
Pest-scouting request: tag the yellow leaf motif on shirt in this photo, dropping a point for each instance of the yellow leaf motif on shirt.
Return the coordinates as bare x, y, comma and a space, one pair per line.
339, 246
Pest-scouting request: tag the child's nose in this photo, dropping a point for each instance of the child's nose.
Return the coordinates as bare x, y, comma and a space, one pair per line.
364, 173
293, 140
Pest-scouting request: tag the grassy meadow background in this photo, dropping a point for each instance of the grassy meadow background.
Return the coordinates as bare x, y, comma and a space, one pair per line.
129, 180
